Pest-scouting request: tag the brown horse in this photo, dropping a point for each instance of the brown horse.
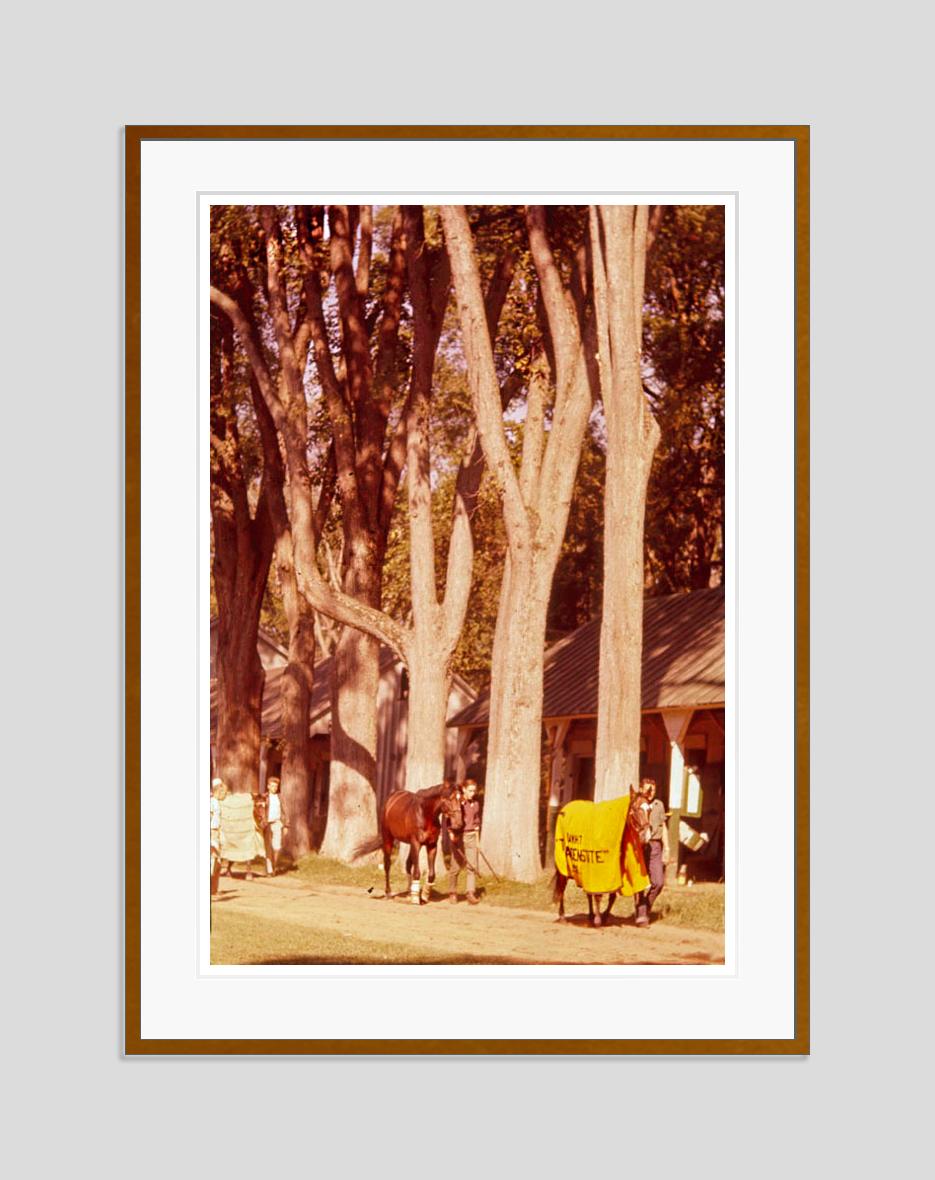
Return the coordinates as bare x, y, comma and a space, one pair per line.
629, 840
414, 818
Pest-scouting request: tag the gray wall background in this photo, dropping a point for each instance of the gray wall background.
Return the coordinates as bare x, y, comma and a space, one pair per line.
74, 76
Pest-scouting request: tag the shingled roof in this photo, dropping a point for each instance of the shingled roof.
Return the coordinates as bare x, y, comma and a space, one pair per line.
683, 661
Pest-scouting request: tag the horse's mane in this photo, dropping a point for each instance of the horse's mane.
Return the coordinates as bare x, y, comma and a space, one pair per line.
431, 792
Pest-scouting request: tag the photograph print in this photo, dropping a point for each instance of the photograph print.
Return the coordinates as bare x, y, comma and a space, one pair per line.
468, 557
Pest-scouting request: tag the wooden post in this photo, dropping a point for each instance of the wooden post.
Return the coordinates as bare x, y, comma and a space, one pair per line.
676, 724
557, 732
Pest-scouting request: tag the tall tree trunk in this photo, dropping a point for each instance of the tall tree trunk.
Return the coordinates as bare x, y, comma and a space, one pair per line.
617, 754
618, 242
243, 550
352, 808
239, 695
297, 684
514, 745
428, 708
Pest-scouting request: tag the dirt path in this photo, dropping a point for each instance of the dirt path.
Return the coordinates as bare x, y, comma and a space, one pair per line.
500, 933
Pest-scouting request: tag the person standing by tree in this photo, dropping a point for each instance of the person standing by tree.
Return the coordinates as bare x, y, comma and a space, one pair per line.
655, 848
274, 826
464, 849
218, 792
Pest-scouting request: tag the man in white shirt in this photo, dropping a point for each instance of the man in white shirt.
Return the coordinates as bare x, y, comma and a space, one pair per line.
274, 827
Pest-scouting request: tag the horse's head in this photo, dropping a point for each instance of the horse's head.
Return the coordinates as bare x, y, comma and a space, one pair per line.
450, 808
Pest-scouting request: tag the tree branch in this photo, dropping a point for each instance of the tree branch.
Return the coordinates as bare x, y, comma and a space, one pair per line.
418, 456
350, 611
364, 250
482, 376
251, 347
354, 340
562, 326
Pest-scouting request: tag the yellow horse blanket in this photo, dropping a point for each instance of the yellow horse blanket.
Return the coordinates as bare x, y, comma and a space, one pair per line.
240, 839
588, 839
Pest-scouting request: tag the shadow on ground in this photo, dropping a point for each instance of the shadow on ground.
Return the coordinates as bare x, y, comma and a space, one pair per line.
439, 961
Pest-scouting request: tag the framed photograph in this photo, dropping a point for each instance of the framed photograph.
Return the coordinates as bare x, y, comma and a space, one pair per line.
467, 590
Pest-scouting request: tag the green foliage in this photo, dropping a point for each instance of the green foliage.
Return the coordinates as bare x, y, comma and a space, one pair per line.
683, 351
579, 577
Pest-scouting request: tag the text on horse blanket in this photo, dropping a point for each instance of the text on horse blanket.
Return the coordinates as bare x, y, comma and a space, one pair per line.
587, 847
240, 839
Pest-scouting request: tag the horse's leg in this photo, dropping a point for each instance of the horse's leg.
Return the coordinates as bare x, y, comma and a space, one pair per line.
560, 890
594, 908
268, 850
387, 856
611, 898
431, 851
415, 884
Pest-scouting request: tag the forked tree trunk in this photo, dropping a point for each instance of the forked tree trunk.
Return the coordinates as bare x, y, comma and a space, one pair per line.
536, 502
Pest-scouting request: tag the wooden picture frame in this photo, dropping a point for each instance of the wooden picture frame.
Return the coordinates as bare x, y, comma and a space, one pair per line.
140, 301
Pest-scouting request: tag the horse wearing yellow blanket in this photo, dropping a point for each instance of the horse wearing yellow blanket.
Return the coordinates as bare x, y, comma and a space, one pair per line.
597, 845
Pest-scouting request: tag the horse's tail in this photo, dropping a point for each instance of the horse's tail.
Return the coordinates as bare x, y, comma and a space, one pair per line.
368, 846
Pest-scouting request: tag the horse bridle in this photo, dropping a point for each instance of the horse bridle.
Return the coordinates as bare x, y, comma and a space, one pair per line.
450, 809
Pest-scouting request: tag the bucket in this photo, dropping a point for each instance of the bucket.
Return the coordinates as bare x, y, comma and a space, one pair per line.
693, 841
415, 888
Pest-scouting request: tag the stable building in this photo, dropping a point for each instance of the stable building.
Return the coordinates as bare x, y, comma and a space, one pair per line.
682, 732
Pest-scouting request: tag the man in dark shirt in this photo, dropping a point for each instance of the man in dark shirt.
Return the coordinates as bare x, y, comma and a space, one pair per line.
655, 837
464, 847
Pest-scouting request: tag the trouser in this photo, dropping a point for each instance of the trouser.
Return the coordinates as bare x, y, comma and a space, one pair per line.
272, 843
656, 869
463, 851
